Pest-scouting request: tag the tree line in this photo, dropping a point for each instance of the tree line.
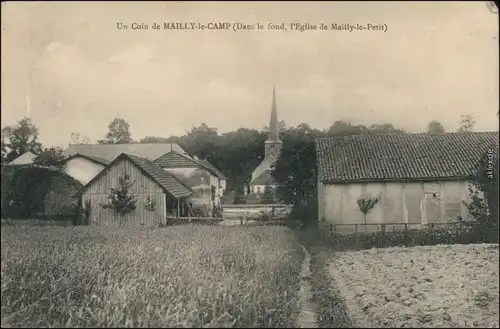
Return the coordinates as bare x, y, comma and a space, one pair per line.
235, 153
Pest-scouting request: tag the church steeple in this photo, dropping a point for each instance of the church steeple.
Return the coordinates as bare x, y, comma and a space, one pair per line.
273, 123
273, 143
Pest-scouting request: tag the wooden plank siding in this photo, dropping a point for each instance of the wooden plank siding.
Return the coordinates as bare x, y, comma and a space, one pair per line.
98, 191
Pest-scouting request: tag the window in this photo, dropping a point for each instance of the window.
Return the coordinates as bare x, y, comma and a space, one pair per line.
258, 189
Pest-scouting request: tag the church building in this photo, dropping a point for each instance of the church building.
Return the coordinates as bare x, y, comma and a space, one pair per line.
261, 176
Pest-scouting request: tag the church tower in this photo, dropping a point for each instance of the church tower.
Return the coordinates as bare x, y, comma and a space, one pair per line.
273, 144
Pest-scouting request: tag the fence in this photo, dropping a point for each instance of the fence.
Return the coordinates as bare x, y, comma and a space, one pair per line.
253, 211
257, 205
172, 220
364, 236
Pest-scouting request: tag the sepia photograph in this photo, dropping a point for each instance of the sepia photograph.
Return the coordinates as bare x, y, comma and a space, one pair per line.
174, 164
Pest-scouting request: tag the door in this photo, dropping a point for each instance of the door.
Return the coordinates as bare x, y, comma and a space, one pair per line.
431, 208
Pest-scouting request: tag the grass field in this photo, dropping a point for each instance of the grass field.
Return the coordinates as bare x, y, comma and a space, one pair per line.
185, 276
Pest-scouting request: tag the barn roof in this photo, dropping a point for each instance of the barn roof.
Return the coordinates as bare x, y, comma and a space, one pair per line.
399, 157
25, 158
266, 178
88, 157
174, 159
208, 165
109, 152
163, 178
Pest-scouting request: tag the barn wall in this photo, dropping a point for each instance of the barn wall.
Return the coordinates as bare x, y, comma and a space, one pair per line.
410, 202
107, 217
82, 169
143, 187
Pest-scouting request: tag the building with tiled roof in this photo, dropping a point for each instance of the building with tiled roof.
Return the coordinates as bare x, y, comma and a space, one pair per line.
157, 192
417, 178
109, 152
208, 183
84, 161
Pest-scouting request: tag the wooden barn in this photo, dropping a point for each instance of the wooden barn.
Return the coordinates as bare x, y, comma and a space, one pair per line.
156, 191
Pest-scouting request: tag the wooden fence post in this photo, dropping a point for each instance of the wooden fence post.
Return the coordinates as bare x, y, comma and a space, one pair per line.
406, 235
382, 235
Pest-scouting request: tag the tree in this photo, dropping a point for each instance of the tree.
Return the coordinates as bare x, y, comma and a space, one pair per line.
202, 140
120, 199
484, 197
341, 128
366, 205
268, 196
296, 173
467, 123
385, 128
50, 157
153, 139
119, 133
22, 138
237, 154
77, 139
4, 142
435, 127
281, 127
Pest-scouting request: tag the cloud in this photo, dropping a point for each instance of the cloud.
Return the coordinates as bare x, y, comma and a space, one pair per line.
139, 53
81, 72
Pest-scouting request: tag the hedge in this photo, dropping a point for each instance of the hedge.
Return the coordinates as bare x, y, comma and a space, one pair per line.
465, 233
30, 191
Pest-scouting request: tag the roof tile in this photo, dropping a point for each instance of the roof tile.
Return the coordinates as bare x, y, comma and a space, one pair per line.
165, 179
266, 178
109, 152
401, 156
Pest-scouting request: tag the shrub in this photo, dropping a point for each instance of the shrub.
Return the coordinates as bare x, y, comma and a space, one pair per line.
366, 205
429, 235
484, 195
120, 199
150, 204
30, 191
268, 196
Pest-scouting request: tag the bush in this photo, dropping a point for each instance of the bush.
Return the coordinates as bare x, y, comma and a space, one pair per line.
462, 234
484, 195
30, 191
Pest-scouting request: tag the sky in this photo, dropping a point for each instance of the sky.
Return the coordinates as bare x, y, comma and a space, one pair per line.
70, 68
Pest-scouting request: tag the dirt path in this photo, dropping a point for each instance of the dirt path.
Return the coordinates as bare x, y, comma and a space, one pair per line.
307, 315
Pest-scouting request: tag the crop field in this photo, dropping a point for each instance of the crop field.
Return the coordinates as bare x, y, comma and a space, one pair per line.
432, 286
181, 276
